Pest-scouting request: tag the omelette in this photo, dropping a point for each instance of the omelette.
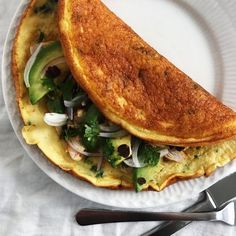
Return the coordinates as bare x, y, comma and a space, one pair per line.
98, 101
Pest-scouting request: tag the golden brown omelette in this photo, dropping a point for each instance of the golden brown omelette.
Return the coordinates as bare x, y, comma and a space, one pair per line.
98, 59
135, 86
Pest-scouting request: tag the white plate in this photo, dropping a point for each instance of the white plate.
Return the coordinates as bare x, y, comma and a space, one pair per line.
199, 37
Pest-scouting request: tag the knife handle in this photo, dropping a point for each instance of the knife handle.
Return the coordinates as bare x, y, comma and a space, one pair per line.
172, 227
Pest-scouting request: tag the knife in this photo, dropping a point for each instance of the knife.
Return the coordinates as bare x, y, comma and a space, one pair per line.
214, 197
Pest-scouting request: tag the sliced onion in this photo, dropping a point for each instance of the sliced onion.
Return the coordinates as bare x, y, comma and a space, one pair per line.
100, 163
129, 162
29, 64
74, 155
77, 146
175, 156
55, 62
33, 48
70, 112
117, 134
137, 163
164, 152
55, 119
109, 128
75, 101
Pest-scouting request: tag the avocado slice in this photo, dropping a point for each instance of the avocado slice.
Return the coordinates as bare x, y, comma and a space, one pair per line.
111, 149
47, 53
142, 177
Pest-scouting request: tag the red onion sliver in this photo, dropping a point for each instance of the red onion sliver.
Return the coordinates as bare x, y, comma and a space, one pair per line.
117, 134
109, 128
77, 146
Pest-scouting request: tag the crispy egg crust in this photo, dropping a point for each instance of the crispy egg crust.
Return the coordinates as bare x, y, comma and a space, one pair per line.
198, 161
135, 86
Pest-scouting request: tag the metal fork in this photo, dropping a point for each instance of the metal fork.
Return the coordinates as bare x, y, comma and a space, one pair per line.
227, 214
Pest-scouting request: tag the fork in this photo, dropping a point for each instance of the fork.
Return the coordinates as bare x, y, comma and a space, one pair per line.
227, 214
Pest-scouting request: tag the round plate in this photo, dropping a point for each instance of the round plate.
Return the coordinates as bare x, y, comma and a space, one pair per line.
198, 36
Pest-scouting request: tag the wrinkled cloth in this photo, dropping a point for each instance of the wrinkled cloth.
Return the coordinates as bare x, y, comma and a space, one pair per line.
33, 204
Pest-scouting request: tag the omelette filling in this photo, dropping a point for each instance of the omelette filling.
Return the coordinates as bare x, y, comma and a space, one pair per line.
78, 121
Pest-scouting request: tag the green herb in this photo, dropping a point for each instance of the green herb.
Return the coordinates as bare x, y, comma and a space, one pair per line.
67, 88
149, 154
111, 154
91, 131
49, 83
90, 128
55, 104
88, 160
68, 133
90, 137
186, 167
108, 148
99, 173
93, 115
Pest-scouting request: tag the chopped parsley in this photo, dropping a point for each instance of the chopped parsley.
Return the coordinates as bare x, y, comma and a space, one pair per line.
91, 131
149, 155
67, 88
49, 83
90, 128
99, 173
68, 133
111, 154
55, 104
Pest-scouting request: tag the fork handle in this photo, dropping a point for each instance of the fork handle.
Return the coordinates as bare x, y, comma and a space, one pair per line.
99, 216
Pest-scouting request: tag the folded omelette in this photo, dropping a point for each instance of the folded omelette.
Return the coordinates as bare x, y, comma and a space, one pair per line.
103, 105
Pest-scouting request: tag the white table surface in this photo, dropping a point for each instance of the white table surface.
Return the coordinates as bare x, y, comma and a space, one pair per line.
32, 204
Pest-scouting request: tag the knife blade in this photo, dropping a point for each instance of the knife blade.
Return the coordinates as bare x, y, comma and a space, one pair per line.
215, 196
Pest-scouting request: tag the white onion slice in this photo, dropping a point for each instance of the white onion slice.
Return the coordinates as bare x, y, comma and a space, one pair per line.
55, 62
29, 64
118, 134
164, 152
55, 119
137, 163
175, 156
75, 101
109, 128
77, 146
129, 162
33, 48
74, 155
70, 112
100, 163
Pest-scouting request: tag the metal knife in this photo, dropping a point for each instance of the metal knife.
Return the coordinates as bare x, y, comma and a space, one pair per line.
214, 197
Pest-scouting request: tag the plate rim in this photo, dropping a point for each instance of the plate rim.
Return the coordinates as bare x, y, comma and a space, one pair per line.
142, 202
